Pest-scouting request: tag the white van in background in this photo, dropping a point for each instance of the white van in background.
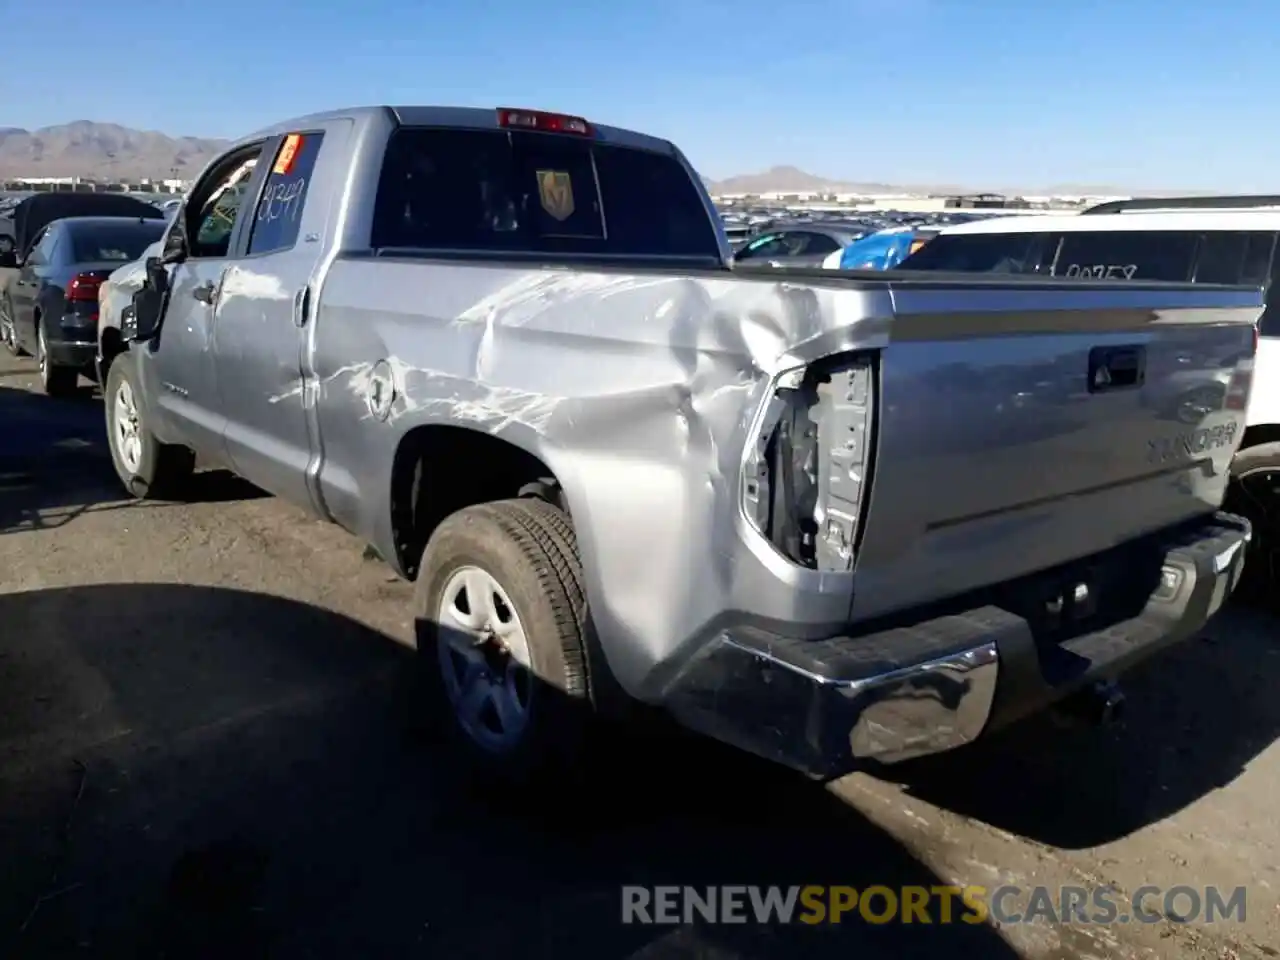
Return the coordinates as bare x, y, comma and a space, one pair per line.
1229, 240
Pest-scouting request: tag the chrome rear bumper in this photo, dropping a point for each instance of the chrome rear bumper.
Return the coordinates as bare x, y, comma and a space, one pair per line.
938, 681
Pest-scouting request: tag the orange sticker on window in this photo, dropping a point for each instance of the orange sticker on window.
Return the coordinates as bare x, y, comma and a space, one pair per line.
288, 153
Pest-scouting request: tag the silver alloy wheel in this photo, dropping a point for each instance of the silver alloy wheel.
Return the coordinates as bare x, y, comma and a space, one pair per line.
126, 429
42, 355
484, 659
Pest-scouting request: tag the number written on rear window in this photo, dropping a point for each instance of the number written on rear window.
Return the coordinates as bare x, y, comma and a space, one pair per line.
1126, 255
279, 212
1102, 271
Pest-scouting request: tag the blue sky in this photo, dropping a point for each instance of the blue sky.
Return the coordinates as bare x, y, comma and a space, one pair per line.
1136, 93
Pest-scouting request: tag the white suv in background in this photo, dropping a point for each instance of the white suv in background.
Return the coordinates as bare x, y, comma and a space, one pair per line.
1202, 239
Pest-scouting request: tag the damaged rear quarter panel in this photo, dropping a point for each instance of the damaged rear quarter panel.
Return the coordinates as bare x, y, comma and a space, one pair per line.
637, 390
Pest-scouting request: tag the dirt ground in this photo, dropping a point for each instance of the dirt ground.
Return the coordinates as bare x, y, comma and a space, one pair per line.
210, 746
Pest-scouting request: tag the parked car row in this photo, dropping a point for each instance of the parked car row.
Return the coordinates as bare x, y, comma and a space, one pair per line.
807, 239
64, 246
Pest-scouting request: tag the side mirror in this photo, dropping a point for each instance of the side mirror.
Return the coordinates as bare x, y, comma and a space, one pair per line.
140, 321
175, 242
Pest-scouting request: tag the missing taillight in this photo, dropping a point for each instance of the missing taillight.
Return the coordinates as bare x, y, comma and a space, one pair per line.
806, 475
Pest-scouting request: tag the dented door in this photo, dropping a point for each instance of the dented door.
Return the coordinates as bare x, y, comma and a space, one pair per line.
266, 311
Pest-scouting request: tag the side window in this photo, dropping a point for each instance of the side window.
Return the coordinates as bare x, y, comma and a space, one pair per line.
43, 249
1269, 322
1222, 255
279, 212
762, 248
820, 243
976, 253
215, 205
1126, 255
1257, 258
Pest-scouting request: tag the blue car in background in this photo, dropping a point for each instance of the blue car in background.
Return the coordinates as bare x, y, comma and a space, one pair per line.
882, 250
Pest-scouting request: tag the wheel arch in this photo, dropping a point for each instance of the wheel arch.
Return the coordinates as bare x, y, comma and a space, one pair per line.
440, 468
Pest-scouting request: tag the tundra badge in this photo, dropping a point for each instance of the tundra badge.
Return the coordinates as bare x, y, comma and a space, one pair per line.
1191, 443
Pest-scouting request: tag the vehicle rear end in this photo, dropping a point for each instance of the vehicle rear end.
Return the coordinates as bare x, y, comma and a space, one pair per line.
1019, 485
98, 247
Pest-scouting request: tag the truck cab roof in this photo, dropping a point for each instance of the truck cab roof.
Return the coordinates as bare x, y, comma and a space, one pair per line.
475, 118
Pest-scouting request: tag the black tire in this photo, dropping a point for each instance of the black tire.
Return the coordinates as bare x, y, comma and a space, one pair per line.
55, 381
529, 547
1254, 493
162, 469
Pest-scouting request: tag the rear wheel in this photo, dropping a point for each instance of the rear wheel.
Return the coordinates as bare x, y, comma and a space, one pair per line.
8, 334
501, 624
1254, 493
54, 380
148, 468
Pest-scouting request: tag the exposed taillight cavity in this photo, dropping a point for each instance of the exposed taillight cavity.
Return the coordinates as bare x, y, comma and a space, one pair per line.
513, 118
84, 286
1241, 383
806, 473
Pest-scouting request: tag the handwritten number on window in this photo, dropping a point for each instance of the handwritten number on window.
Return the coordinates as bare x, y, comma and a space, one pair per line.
1102, 271
282, 200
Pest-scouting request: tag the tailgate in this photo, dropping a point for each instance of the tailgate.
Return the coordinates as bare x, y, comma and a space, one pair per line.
1020, 427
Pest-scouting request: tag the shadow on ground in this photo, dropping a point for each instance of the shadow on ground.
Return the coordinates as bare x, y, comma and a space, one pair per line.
197, 772
55, 463
1195, 716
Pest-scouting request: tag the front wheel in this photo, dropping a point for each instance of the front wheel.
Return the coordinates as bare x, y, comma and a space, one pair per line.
149, 469
501, 628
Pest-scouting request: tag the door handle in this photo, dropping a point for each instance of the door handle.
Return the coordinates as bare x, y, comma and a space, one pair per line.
1116, 368
301, 305
204, 292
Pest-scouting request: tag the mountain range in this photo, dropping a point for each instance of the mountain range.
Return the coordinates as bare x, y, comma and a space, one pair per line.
103, 150
111, 151
787, 179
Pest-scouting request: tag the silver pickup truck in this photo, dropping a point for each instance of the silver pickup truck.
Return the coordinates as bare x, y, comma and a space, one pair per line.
834, 519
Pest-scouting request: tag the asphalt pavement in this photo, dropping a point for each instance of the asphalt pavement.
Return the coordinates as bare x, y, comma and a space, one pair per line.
211, 745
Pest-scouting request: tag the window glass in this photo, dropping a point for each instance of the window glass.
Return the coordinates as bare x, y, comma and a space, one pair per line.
536, 193
1269, 323
1126, 255
1221, 257
1257, 258
279, 212
976, 253
762, 248
216, 218
42, 252
820, 243
114, 243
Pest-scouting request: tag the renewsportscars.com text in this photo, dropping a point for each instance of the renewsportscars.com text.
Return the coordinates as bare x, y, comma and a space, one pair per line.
1008, 904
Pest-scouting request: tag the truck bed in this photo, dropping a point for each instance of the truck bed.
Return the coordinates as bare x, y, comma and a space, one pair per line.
989, 451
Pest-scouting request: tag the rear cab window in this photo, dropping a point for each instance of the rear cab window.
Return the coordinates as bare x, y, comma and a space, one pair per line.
521, 192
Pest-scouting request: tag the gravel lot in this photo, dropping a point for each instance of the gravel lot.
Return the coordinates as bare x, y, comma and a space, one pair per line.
209, 747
